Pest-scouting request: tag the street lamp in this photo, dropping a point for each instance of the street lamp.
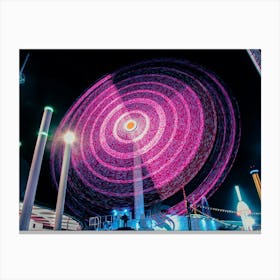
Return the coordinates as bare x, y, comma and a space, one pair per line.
69, 139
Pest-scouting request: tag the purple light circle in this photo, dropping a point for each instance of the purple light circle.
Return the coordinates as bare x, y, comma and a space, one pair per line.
176, 116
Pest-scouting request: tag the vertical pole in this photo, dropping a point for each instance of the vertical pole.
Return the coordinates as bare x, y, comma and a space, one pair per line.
24, 63
194, 209
238, 193
35, 168
188, 213
257, 181
138, 190
62, 187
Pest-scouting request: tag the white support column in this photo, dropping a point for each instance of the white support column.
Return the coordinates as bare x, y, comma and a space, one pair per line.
34, 172
138, 189
69, 139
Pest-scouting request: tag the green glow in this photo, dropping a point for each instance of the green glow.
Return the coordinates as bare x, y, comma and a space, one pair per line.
20, 143
49, 108
43, 133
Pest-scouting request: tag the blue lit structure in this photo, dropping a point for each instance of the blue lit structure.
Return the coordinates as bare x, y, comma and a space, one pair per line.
205, 207
254, 171
175, 222
21, 75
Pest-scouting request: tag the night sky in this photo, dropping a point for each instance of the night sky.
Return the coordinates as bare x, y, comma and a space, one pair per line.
58, 77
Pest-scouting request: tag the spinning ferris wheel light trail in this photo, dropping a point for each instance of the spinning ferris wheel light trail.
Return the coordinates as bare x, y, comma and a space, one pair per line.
145, 132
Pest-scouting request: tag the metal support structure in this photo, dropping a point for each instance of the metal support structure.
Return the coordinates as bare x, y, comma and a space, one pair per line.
62, 187
188, 210
257, 181
139, 211
34, 172
21, 75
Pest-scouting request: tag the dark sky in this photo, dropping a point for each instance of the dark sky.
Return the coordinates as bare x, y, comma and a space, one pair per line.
59, 77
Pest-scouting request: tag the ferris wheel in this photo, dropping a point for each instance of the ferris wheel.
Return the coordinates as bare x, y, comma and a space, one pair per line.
145, 133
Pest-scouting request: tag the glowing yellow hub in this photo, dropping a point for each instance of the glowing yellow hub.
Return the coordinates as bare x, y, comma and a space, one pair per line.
130, 125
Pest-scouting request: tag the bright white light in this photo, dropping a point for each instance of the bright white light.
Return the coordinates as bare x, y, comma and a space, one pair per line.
69, 137
238, 193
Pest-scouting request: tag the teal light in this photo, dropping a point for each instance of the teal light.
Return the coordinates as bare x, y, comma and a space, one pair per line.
203, 224
43, 133
49, 108
238, 193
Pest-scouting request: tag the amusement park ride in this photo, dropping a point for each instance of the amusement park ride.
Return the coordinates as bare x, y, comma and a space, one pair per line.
143, 134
